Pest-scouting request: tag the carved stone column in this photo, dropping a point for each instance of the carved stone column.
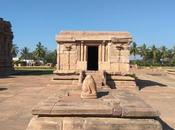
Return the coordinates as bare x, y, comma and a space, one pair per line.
79, 51
103, 51
82, 50
85, 53
100, 53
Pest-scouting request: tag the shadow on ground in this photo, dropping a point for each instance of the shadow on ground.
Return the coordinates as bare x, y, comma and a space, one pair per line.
165, 126
2, 89
147, 83
32, 72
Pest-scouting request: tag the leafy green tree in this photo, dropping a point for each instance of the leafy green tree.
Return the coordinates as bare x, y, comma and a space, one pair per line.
51, 57
25, 54
14, 50
134, 50
143, 51
40, 51
172, 55
164, 53
154, 52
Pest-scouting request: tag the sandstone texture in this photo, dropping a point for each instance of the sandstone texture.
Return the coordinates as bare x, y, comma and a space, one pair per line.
104, 55
113, 109
89, 89
6, 36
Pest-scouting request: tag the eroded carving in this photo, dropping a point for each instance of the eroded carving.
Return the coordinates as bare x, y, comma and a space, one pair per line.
89, 89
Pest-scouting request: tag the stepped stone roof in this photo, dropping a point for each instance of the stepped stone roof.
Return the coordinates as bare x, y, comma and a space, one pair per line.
72, 36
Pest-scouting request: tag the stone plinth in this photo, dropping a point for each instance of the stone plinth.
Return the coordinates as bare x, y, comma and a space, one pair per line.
121, 110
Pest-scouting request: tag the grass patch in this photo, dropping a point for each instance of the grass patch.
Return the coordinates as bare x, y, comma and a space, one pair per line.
33, 70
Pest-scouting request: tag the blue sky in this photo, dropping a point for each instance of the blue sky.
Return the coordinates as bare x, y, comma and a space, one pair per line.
149, 21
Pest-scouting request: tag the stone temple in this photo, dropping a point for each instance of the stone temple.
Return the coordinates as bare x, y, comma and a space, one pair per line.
98, 64
6, 37
105, 55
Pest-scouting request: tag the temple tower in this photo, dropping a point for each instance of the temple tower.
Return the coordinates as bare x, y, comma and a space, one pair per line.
6, 36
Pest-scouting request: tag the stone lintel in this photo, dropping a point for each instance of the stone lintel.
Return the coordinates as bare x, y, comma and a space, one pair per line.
72, 36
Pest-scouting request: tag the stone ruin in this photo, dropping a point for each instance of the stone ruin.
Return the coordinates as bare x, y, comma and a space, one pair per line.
6, 37
91, 107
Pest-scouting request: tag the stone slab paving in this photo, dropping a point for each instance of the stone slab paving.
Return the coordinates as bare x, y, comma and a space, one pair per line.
158, 90
19, 94
112, 103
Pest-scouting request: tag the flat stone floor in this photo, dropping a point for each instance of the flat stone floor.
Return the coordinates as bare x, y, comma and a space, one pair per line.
18, 94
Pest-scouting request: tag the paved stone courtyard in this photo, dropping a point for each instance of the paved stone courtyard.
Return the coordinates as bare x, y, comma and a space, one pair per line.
18, 94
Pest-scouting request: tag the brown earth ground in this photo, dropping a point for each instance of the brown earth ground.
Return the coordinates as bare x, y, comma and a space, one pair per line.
19, 93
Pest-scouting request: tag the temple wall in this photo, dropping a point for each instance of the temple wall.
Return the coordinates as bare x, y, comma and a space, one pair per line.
67, 57
6, 37
113, 53
73, 56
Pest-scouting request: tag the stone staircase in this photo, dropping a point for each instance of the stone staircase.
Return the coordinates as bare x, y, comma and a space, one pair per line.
98, 77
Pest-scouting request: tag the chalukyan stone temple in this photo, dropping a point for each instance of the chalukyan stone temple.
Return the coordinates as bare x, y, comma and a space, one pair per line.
105, 55
92, 61
6, 37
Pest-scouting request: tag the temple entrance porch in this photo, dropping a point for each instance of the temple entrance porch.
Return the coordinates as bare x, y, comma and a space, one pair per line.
92, 58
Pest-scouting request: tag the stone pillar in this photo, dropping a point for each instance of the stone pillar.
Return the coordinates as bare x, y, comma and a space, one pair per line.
100, 53
103, 51
58, 57
82, 50
106, 52
85, 53
79, 51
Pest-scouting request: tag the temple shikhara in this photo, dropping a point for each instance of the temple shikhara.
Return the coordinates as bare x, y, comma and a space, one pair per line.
6, 37
105, 55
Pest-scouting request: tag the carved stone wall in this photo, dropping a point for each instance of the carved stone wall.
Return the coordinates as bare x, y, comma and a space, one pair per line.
6, 37
113, 52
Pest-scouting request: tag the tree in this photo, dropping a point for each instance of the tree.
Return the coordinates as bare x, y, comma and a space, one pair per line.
134, 50
172, 55
143, 51
40, 51
14, 50
164, 53
154, 52
25, 54
51, 57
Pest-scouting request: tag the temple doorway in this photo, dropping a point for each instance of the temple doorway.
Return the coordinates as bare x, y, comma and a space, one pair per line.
92, 59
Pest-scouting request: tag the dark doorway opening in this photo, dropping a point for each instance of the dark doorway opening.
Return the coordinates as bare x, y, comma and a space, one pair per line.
92, 61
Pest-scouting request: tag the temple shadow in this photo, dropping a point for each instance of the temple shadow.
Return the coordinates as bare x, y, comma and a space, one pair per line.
165, 126
7, 76
2, 89
101, 94
147, 83
110, 82
32, 72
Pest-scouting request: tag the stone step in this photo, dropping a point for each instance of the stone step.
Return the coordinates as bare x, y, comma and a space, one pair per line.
97, 75
66, 77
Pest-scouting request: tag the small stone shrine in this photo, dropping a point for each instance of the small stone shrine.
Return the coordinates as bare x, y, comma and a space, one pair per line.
6, 37
91, 107
104, 55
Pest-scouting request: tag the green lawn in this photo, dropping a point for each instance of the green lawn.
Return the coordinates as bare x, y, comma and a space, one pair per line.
33, 70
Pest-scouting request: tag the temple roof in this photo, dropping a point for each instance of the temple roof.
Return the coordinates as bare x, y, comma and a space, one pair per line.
72, 36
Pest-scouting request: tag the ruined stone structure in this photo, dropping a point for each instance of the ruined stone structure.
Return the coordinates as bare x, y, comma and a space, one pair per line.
98, 53
6, 37
90, 59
